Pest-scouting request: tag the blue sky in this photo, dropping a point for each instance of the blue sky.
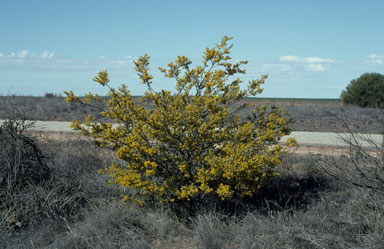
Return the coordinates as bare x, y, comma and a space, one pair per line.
309, 48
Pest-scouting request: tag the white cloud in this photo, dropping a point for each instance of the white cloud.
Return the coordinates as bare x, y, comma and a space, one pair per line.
375, 59
317, 60
315, 67
47, 55
24, 54
279, 67
292, 58
26, 60
314, 64
19, 55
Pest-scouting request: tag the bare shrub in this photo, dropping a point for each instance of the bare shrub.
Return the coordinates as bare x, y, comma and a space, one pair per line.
21, 160
361, 171
362, 166
29, 193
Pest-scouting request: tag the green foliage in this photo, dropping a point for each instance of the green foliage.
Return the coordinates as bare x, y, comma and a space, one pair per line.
365, 91
193, 144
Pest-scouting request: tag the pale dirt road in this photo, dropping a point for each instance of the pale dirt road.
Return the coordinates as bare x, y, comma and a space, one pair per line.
318, 139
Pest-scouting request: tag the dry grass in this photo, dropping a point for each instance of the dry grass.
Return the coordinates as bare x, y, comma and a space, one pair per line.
305, 208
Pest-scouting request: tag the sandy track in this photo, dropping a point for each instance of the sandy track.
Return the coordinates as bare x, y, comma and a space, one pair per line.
319, 139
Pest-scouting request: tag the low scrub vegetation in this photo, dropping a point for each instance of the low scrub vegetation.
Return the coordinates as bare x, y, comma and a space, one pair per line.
74, 208
197, 146
21, 160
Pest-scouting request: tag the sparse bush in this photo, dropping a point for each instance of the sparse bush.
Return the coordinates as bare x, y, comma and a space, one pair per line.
362, 166
365, 91
28, 192
21, 160
194, 144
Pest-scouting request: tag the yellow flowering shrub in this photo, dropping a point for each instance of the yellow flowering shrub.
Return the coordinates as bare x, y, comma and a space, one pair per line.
199, 141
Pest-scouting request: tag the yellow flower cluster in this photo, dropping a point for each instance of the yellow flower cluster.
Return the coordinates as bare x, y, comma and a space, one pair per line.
195, 142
